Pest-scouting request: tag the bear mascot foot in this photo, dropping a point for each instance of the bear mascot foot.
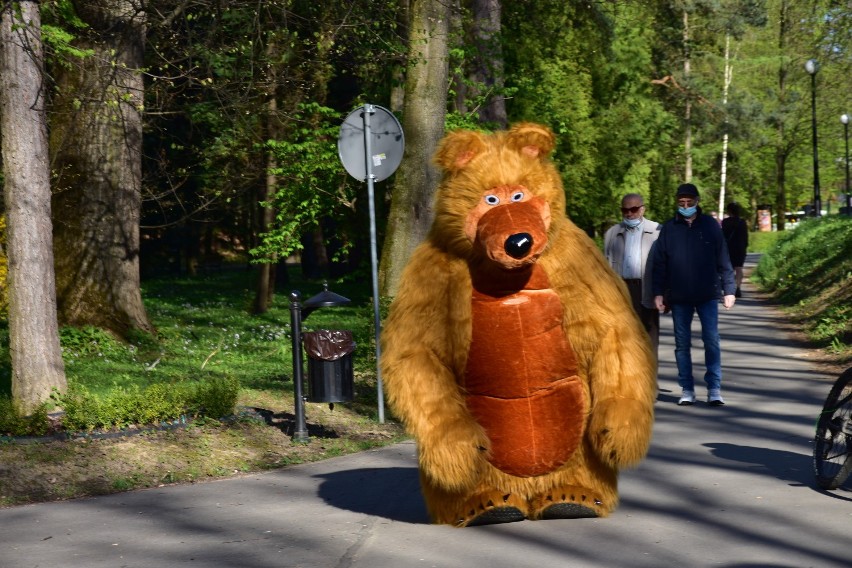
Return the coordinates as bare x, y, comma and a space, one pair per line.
491, 508
568, 502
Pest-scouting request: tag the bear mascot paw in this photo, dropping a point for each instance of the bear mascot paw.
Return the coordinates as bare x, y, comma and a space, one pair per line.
511, 351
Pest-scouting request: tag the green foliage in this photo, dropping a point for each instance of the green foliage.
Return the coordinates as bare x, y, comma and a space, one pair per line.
313, 185
810, 270
216, 397
122, 407
590, 83
208, 348
13, 423
762, 242
455, 120
59, 24
86, 341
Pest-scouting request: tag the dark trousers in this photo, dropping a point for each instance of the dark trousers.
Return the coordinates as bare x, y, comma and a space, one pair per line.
649, 317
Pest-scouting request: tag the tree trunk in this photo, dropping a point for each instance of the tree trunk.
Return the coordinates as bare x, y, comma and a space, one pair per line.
781, 149
488, 71
265, 291
687, 115
423, 123
729, 73
96, 140
37, 365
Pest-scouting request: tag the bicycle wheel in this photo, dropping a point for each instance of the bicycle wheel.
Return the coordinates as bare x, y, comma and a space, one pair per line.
832, 451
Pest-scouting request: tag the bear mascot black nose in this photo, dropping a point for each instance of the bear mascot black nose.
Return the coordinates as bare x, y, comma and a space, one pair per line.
518, 245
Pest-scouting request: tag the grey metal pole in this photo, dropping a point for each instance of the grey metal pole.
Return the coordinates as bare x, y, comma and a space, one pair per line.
845, 120
817, 198
374, 262
300, 429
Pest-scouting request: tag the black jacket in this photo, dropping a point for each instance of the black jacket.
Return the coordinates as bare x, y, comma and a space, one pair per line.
691, 263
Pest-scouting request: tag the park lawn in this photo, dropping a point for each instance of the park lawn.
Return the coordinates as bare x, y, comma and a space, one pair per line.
204, 330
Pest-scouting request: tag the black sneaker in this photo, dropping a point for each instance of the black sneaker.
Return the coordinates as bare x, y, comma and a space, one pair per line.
738, 293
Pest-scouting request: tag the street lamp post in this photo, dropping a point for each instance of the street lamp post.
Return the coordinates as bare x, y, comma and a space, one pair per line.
812, 66
844, 118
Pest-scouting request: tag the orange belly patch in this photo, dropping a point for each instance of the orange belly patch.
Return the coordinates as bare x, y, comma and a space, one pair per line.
521, 381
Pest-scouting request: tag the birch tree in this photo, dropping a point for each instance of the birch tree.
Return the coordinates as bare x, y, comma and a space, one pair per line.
37, 366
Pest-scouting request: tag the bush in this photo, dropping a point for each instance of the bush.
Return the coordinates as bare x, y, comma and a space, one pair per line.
810, 270
217, 397
12, 423
762, 242
155, 404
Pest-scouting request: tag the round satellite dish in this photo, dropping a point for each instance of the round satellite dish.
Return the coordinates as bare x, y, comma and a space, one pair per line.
386, 144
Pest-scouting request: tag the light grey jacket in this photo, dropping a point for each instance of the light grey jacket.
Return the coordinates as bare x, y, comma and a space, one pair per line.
614, 240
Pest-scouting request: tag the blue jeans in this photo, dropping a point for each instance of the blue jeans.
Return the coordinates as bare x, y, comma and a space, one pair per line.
708, 315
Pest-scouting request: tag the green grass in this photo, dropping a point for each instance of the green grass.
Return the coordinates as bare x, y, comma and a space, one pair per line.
206, 331
761, 242
809, 270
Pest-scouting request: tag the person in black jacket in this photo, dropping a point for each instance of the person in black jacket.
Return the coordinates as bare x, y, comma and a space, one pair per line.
691, 271
736, 237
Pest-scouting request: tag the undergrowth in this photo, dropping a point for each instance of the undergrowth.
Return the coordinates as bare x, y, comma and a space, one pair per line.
209, 349
809, 270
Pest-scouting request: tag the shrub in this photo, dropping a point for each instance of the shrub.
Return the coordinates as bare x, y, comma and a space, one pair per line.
13, 423
810, 270
158, 403
216, 397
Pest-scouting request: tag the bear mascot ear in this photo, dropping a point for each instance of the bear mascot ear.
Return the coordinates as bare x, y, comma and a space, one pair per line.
530, 139
458, 149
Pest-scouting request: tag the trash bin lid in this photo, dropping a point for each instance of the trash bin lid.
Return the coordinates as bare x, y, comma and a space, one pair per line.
326, 299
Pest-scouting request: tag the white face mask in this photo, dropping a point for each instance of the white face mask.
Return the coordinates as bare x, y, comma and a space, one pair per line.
632, 222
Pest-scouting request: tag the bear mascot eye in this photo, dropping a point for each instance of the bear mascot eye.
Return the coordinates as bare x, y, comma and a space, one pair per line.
492, 200
517, 196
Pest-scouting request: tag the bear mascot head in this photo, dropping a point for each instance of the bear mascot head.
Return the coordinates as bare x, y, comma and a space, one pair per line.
511, 352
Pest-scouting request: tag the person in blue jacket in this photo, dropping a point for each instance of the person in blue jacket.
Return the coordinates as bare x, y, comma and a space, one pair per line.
691, 272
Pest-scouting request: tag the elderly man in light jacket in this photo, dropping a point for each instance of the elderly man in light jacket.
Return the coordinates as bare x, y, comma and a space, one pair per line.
627, 247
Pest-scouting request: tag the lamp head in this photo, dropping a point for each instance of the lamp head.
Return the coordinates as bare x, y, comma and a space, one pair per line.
844, 118
812, 66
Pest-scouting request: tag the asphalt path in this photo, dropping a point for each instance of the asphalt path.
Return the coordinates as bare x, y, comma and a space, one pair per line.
728, 486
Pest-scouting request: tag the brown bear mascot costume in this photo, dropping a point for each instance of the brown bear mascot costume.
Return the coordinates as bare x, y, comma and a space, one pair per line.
511, 352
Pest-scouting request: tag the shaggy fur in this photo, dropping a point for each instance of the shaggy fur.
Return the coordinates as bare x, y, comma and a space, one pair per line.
596, 369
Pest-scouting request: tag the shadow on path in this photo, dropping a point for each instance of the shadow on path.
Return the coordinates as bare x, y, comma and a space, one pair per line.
392, 493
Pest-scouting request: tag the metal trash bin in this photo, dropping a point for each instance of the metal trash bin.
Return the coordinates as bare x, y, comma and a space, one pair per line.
330, 374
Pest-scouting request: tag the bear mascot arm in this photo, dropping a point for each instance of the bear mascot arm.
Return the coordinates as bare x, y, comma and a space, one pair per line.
419, 372
614, 350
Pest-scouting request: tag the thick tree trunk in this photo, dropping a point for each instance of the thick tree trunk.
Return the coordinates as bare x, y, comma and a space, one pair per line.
37, 366
96, 140
488, 72
423, 123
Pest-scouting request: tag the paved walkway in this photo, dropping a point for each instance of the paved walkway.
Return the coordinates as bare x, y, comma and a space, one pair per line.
727, 486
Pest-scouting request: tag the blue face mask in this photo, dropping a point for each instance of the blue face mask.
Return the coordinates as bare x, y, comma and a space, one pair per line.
632, 222
687, 211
